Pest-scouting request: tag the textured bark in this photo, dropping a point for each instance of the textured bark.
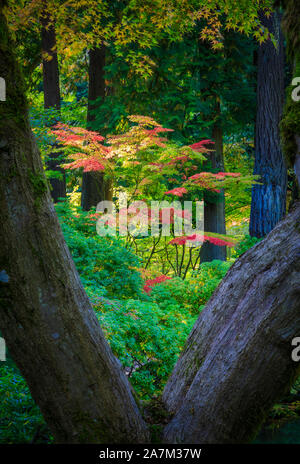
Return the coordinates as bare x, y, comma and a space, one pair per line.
94, 190
297, 160
51, 95
96, 80
94, 187
58, 186
214, 204
50, 63
237, 361
46, 318
268, 204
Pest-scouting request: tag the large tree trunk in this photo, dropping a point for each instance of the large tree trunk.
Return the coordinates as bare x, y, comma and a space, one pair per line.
94, 187
237, 361
214, 204
51, 96
268, 204
46, 318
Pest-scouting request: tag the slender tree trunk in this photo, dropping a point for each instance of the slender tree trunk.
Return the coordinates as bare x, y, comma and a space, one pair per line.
94, 187
52, 96
45, 315
214, 204
268, 204
237, 361
50, 63
96, 81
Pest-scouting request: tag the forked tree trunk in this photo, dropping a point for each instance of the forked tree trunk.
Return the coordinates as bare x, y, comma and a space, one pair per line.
94, 187
268, 203
237, 361
52, 96
214, 204
46, 318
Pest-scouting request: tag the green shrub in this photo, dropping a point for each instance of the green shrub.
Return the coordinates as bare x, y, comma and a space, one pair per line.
105, 266
245, 244
20, 419
193, 293
146, 339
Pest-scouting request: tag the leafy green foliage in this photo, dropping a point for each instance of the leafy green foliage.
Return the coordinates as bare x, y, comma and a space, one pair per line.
71, 112
105, 266
192, 293
181, 91
238, 157
147, 338
20, 418
245, 244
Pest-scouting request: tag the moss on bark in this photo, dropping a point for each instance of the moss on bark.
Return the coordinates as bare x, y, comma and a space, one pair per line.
14, 109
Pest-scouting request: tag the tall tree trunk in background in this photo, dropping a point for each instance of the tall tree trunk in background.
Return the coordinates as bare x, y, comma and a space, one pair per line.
268, 203
237, 361
46, 317
94, 187
214, 203
51, 96
96, 81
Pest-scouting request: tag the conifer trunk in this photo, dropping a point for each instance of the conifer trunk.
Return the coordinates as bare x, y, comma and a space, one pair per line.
94, 187
214, 203
51, 95
268, 205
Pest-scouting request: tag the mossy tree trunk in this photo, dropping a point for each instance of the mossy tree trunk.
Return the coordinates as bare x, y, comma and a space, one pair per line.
46, 317
52, 96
